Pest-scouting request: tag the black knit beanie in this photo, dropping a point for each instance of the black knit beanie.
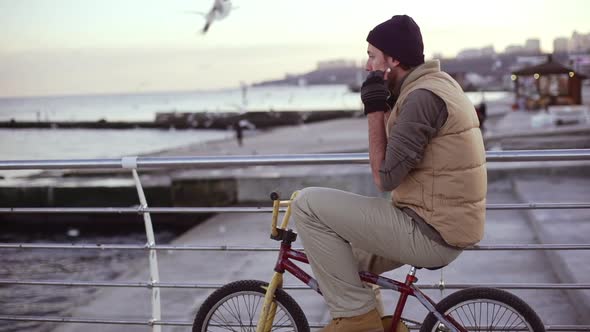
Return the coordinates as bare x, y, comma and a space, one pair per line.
400, 38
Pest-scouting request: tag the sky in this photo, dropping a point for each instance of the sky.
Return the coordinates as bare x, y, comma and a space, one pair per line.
63, 47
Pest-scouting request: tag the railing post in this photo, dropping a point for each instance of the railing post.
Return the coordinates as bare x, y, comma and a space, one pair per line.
151, 242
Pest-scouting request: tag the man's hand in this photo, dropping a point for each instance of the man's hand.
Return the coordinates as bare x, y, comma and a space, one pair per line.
374, 93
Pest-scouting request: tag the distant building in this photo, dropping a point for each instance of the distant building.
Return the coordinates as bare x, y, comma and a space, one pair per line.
532, 45
579, 42
560, 45
468, 53
511, 49
338, 63
476, 52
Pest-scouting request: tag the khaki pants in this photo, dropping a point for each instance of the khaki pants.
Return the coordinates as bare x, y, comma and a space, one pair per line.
344, 233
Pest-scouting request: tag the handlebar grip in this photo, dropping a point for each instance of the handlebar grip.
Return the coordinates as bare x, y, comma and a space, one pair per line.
274, 196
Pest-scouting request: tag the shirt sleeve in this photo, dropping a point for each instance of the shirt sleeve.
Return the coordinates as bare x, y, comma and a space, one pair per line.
421, 115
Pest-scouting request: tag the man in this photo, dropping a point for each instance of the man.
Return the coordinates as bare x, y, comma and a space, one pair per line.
239, 132
482, 112
424, 146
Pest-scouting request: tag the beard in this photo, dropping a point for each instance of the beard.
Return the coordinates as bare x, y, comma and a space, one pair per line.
393, 78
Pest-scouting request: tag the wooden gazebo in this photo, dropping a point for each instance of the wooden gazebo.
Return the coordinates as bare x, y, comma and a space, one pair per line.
549, 83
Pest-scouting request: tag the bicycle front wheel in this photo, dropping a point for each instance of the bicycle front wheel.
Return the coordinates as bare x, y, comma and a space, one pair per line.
485, 309
237, 306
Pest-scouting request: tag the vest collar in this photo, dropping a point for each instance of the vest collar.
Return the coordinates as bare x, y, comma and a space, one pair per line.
428, 67
415, 73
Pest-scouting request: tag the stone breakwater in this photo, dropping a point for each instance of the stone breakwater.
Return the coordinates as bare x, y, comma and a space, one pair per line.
196, 120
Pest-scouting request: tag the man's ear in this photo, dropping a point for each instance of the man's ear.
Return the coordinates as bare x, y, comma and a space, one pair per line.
392, 62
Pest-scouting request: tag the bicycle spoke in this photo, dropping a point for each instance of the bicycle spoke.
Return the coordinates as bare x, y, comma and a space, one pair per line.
241, 312
236, 313
466, 316
225, 323
230, 308
279, 323
285, 322
472, 316
487, 313
254, 308
515, 323
500, 319
249, 311
461, 318
479, 325
483, 315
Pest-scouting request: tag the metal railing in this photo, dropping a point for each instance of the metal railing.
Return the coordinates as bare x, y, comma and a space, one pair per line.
136, 163
270, 160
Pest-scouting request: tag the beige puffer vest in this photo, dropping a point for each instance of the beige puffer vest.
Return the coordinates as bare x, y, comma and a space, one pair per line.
448, 187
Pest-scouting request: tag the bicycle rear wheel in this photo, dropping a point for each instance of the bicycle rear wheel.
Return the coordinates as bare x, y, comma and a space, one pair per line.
237, 306
485, 309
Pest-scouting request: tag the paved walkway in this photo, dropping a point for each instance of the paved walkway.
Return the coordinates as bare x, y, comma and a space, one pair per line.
515, 131
562, 227
341, 135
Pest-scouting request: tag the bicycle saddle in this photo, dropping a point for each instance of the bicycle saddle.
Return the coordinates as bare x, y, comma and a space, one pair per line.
430, 268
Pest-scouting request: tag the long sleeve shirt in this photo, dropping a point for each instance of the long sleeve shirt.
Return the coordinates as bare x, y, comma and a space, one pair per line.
421, 116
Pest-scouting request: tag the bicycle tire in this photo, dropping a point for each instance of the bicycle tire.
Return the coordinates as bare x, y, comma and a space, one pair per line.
451, 304
255, 288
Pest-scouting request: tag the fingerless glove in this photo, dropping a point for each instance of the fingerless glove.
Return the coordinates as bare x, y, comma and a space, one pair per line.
374, 93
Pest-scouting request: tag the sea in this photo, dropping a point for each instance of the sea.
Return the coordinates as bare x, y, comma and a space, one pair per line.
33, 144
44, 144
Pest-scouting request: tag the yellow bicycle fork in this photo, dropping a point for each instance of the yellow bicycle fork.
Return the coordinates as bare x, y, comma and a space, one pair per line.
269, 309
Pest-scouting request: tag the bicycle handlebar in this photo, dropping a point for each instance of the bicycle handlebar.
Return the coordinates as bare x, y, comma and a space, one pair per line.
277, 203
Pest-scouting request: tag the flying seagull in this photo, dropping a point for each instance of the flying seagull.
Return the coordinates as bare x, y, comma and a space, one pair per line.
219, 11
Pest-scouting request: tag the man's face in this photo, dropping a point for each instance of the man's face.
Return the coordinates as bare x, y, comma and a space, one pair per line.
377, 60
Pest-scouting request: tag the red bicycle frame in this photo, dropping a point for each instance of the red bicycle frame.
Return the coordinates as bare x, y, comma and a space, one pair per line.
406, 289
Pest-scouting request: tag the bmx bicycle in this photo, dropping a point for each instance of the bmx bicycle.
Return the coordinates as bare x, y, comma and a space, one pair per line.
253, 305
